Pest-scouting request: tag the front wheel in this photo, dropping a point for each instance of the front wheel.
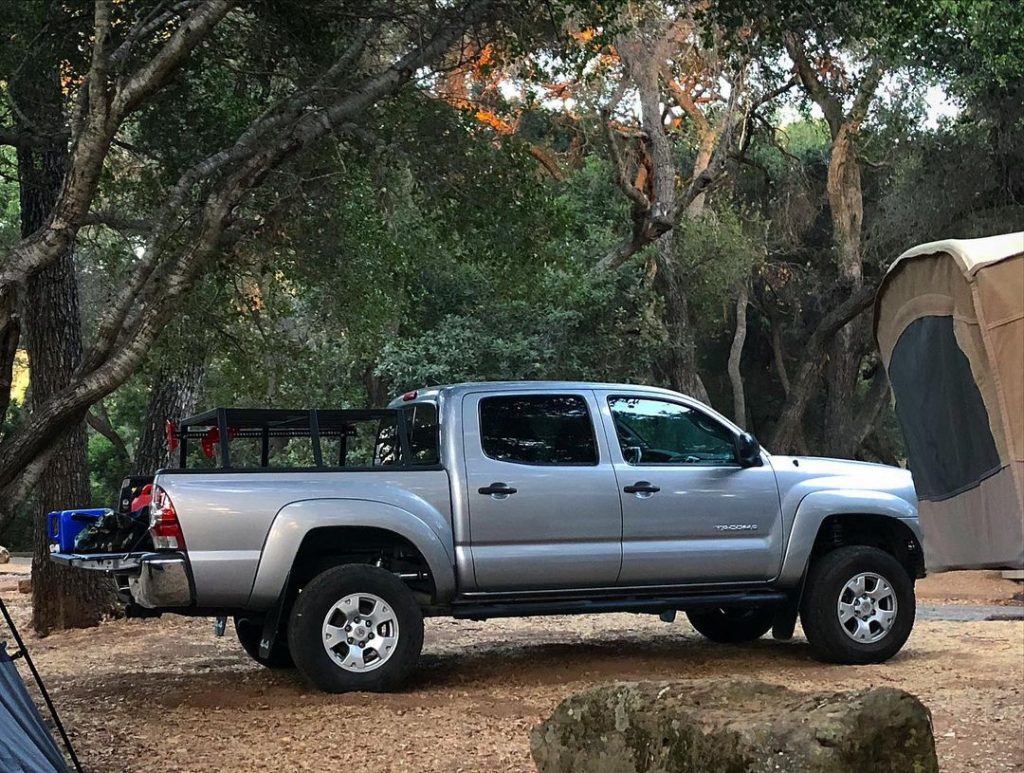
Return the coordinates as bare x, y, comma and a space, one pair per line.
858, 606
355, 628
732, 625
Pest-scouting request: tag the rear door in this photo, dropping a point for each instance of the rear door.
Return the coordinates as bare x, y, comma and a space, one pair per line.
544, 506
690, 513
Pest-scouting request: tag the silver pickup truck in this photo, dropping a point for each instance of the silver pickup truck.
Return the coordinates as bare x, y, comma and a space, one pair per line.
514, 499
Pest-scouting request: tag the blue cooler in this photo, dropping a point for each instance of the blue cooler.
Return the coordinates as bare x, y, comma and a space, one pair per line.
62, 526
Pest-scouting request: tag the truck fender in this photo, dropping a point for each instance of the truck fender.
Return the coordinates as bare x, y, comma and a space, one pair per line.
819, 505
295, 520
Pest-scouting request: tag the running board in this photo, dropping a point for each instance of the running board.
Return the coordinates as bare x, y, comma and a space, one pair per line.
481, 610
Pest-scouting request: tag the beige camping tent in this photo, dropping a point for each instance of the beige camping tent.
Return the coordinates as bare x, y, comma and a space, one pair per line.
949, 320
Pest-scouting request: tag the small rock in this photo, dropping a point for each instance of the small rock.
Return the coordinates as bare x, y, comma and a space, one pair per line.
5, 555
722, 727
25, 586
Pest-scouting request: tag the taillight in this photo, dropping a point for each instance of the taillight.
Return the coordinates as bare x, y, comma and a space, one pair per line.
163, 524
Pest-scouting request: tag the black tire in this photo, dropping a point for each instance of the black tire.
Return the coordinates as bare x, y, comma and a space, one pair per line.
249, 632
819, 610
310, 614
732, 625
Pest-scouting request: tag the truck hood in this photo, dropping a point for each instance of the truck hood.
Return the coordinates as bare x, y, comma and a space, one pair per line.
846, 474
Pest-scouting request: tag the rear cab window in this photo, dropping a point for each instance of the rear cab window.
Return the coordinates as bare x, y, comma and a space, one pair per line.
424, 434
550, 429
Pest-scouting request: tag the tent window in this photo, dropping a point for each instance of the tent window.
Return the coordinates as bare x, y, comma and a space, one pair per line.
939, 407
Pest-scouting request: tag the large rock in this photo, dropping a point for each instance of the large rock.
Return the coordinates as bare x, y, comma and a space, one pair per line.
735, 727
5, 556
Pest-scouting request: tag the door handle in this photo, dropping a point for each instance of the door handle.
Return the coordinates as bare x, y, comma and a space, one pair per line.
642, 487
497, 489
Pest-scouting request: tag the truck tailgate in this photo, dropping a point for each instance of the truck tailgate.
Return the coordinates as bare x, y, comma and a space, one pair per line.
100, 562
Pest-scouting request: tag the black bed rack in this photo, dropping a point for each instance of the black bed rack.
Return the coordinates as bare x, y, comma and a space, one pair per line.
268, 423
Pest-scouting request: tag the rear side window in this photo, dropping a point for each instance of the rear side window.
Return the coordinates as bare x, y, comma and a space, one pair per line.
537, 429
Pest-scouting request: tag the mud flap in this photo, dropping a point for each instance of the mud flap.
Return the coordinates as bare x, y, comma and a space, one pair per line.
272, 621
785, 618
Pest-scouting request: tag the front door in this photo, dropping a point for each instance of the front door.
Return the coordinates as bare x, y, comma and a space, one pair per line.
690, 513
543, 499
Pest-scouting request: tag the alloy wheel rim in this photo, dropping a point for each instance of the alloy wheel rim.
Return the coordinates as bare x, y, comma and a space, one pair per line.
360, 632
867, 607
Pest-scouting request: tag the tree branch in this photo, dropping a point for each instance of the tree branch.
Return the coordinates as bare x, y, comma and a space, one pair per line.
816, 89
866, 420
155, 72
739, 400
788, 427
97, 419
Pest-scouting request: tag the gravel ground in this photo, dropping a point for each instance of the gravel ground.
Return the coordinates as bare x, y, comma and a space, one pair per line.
166, 695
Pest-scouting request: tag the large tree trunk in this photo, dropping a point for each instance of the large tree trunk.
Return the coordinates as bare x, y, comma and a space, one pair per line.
839, 431
678, 364
843, 369
173, 397
61, 597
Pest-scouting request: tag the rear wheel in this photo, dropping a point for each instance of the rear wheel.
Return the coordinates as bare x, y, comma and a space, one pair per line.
356, 628
732, 625
250, 631
858, 606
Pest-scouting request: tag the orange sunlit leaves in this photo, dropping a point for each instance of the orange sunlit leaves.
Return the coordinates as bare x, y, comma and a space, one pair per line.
495, 122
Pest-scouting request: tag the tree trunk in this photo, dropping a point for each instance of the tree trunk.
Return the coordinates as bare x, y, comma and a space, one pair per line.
173, 397
788, 429
739, 400
843, 368
846, 203
61, 597
678, 365
705, 150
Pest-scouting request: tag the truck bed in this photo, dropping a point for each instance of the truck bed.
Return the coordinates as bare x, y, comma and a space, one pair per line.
227, 517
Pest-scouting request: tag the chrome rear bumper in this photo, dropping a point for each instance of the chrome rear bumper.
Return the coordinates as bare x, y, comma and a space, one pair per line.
162, 581
155, 580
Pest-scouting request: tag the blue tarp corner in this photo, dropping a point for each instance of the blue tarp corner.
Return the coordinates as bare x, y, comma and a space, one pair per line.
26, 745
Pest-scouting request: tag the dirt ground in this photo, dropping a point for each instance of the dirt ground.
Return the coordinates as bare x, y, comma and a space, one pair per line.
165, 695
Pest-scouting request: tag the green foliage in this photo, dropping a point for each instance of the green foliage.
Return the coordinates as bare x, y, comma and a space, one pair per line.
715, 252
562, 326
426, 248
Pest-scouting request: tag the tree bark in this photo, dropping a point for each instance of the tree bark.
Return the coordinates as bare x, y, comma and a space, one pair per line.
678, 364
739, 400
843, 369
61, 597
173, 397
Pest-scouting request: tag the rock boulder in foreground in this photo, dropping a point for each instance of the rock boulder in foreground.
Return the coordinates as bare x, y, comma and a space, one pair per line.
735, 727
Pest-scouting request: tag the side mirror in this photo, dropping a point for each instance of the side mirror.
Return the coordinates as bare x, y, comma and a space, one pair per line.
748, 450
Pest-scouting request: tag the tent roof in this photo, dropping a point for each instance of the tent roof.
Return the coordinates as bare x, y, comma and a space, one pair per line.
969, 254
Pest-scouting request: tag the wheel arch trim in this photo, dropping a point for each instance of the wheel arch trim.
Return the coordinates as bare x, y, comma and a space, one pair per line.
818, 506
296, 520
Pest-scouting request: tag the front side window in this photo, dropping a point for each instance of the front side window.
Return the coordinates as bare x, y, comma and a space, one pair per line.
537, 429
659, 432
